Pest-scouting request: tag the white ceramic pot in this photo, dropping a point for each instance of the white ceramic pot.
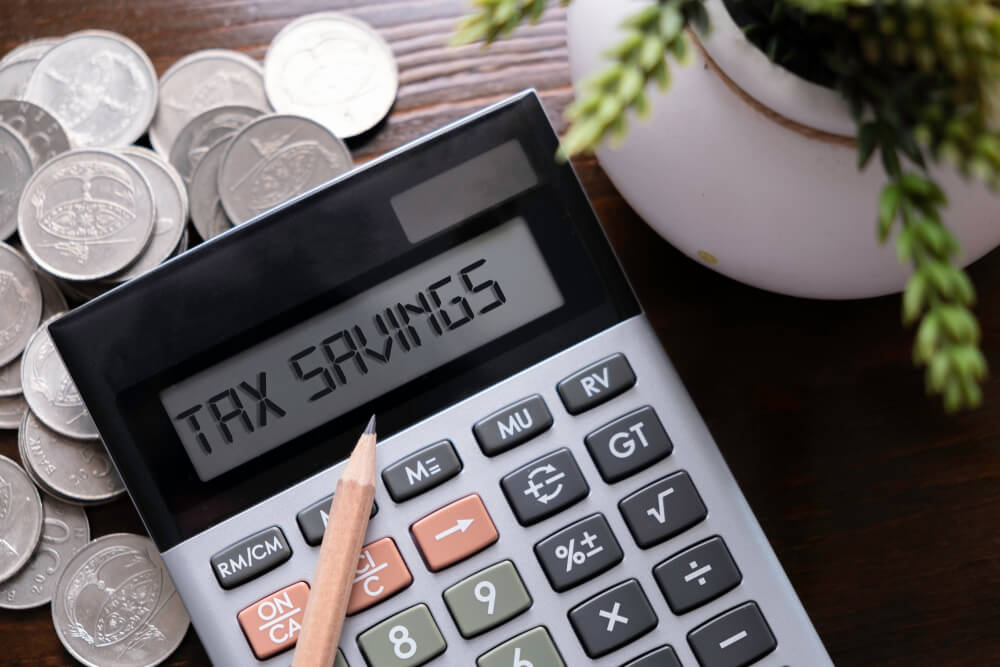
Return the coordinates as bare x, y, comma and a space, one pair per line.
748, 195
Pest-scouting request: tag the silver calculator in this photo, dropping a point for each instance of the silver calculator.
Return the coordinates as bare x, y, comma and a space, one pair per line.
549, 495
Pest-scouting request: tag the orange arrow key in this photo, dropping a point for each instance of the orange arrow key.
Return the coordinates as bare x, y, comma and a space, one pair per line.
454, 532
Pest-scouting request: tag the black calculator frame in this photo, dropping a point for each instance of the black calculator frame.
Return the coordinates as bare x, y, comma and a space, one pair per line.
193, 311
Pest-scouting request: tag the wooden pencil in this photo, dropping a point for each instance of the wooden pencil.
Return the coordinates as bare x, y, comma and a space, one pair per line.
338, 557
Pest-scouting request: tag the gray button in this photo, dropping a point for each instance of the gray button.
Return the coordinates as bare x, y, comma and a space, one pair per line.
663, 509
513, 425
578, 552
658, 657
736, 638
629, 444
251, 557
340, 660
545, 486
407, 639
487, 599
697, 575
596, 383
312, 520
534, 648
421, 471
617, 616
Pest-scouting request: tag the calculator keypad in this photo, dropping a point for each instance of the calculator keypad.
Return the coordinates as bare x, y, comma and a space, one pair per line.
513, 425
697, 575
487, 599
381, 573
421, 471
663, 509
407, 639
544, 487
272, 624
578, 552
534, 647
454, 532
613, 618
736, 638
595, 384
629, 444
251, 557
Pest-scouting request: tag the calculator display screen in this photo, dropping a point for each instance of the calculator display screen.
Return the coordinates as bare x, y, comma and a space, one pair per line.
339, 359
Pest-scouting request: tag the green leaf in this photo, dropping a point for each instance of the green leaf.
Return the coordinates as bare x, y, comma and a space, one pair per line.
888, 207
621, 51
680, 48
644, 17
904, 244
938, 372
928, 338
915, 298
651, 52
671, 24
630, 85
867, 141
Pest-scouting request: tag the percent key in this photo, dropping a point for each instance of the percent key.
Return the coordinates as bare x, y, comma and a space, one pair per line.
578, 552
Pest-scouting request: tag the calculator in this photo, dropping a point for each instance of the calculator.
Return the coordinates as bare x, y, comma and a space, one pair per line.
548, 494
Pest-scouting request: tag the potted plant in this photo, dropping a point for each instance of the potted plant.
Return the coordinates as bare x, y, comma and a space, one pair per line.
801, 123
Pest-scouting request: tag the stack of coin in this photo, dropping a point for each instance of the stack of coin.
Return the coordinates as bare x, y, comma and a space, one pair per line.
84, 209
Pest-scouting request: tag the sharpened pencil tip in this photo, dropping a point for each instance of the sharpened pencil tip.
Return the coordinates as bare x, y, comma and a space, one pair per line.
371, 426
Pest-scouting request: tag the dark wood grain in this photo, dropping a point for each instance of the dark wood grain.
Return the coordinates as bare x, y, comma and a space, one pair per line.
884, 512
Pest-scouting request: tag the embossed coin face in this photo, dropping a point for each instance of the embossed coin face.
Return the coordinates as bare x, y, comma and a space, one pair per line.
32, 50
116, 606
12, 409
50, 391
275, 158
171, 198
37, 128
100, 86
203, 132
86, 214
201, 81
20, 518
334, 69
65, 530
14, 78
20, 303
15, 171
76, 470
207, 214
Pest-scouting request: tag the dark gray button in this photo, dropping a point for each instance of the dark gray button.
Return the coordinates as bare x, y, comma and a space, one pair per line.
421, 471
545, 486
578, 552
629, 444
697, 575
659, 657
251, 557
736, 638
596, 383
612, 619
513, 425
312, 520
663, 509
407, 639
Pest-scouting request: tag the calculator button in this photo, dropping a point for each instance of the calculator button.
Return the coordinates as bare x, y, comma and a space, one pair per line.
513, 425
272, 624
251, 557
421, 471
629, 444
534, 648
312, 520
596, 383
454, 532
610, 620
487, 599
545, 486
737, 638
663, 509
659, 657
340, 660
381, 572
578, 552
697, 575
407, 639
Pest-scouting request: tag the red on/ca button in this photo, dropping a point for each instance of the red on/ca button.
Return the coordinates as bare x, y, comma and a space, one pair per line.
272, 624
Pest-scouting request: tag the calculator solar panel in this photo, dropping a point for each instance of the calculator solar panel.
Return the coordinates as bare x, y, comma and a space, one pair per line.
548, 493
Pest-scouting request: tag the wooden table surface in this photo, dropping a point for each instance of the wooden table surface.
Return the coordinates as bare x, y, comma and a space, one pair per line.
884, 512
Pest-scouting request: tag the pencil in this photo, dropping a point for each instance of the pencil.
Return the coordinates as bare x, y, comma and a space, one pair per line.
338, 557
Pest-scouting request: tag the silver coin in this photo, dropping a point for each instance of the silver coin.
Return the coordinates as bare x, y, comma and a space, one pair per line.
171, 211
334, 69
50, 391
14, 77
183, 245
38, 129
15, 171
207, 215
86, 214
20, 518
275, 158
76, 470
20, 303
12, 409
31, 50
100, 86
116, 606
204, 131
201, 81
10, 380
65, 530
53, 300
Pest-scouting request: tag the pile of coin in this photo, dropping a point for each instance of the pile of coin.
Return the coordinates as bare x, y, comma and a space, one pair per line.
83, 210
